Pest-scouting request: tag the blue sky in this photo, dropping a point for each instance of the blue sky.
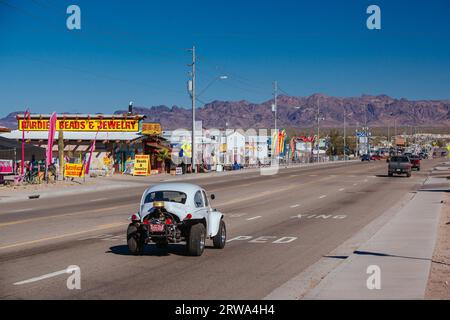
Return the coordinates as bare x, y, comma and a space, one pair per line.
136, 50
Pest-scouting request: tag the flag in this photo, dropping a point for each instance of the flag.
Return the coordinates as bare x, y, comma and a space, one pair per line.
51, 137
26, 116
86, 170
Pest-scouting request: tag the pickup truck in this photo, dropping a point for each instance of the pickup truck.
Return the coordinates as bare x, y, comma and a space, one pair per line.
399, 165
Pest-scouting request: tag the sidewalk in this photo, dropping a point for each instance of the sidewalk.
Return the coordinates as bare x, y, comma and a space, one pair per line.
22, 193
402, 249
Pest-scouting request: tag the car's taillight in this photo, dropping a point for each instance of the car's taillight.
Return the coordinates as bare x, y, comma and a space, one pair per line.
188, 217
147, 222
168, 221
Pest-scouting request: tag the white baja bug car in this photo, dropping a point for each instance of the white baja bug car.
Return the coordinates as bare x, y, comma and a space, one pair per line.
176, 212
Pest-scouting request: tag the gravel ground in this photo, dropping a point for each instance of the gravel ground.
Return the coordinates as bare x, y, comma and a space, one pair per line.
439, 280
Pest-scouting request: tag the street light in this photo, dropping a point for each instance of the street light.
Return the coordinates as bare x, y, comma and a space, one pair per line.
222, 77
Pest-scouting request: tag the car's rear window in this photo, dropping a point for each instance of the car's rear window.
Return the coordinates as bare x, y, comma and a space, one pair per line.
399, 159
166, 196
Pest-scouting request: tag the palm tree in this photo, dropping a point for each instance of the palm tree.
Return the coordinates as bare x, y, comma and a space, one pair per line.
163, 156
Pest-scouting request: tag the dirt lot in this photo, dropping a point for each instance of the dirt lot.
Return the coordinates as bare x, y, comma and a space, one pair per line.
439, 280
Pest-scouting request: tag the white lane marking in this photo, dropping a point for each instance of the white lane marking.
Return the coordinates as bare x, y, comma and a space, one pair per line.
22, 210
99, 199
341, 189
235, 215
355, 184
294, 175
295, 206
313, 175
322, 196
264, 239
43, 277
254, 218
323, 216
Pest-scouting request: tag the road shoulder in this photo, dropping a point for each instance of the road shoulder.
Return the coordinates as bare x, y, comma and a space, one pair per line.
400, 243
439, 280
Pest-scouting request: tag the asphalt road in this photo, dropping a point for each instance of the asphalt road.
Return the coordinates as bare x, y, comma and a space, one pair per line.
277, 226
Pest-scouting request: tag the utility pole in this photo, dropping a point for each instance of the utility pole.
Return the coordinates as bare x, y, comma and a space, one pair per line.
275, 101
192, 91
345, 132
318, 129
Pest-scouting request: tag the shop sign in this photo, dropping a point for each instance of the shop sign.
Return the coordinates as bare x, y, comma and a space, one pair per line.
73, 170
6, 166
151, 128
141, 165
93, 125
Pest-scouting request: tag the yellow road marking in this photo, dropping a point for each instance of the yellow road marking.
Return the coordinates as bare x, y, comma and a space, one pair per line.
5, 224
101, 227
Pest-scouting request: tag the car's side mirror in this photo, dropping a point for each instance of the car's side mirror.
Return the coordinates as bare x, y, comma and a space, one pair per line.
213, 197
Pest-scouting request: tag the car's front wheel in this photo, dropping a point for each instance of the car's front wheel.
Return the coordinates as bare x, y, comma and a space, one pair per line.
134, 241
196, 240
220, 239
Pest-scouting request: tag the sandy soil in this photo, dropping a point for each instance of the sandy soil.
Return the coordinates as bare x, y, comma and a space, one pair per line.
439, 280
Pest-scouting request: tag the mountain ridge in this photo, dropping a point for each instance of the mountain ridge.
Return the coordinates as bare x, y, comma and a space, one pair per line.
297, 112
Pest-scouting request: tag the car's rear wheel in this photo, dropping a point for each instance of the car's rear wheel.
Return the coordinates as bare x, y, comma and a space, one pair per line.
390, 174
196, 240
220, 239
408, 174
134, 241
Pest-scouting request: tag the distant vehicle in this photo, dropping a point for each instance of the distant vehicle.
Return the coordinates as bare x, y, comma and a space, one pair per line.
365, 157
408, 154
415, 162
375, 157
172, 213
423, 155
399, 165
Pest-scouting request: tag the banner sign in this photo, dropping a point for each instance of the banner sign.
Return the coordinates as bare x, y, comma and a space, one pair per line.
96, 125
73, 170
151, 129
6, 166
141, 165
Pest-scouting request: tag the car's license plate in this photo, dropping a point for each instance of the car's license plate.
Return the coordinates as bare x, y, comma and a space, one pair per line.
156, 228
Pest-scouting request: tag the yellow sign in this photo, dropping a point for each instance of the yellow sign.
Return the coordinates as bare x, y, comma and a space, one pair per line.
141, 165
106, 161
151, 129
73, 170
81, 125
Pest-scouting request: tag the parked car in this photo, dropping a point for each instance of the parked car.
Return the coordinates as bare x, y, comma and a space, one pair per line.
375, 157
415, 162
365, 157
399, 165
173, 213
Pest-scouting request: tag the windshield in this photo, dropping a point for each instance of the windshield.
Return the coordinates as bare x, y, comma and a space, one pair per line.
166, 196
400, 159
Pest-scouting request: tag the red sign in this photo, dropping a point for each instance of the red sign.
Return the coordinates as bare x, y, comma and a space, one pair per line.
6, 166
